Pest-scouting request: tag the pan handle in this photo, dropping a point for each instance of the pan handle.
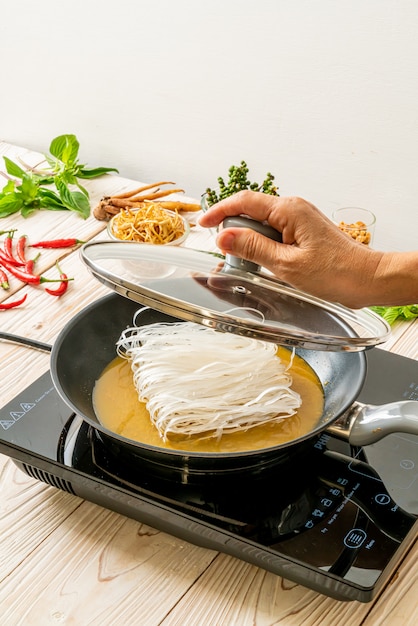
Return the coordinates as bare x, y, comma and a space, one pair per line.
365, 424
25, 341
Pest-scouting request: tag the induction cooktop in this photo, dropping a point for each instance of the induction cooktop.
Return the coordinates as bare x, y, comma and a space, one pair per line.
337, 520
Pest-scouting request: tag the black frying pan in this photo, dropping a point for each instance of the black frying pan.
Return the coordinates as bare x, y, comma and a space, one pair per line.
86, 346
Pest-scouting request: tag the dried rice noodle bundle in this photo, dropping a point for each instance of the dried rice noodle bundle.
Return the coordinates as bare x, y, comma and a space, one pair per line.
198, 381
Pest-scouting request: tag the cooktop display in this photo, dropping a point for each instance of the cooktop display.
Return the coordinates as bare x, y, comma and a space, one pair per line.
337, 519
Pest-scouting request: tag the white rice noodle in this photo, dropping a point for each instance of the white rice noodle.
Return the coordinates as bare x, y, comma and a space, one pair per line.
197, 381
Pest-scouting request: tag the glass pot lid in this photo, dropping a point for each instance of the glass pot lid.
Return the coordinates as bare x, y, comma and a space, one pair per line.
206, 288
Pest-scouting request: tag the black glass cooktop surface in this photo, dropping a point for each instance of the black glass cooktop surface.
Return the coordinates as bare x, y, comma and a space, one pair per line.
337, 519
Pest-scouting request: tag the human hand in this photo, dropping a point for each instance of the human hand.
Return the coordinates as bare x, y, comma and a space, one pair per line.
315, 256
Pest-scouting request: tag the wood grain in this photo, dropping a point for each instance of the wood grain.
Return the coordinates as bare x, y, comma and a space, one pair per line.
98, 567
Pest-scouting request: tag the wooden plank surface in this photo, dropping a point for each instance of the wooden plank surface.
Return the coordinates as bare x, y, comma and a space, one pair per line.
67, 561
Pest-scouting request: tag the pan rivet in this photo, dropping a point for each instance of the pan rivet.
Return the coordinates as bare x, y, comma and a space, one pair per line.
239, 289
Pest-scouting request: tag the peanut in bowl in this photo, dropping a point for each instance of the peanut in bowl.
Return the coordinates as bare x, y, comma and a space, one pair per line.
357, 223
357, 231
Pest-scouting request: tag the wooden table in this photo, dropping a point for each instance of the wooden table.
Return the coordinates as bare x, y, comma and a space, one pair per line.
67, 561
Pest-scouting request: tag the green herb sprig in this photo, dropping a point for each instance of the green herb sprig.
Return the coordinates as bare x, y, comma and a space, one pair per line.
237, 181
55, 188
393, 313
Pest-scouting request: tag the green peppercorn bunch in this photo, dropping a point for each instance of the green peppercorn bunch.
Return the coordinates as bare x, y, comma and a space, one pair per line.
237, 181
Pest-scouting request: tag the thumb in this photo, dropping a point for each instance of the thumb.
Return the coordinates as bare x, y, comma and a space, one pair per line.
249, 245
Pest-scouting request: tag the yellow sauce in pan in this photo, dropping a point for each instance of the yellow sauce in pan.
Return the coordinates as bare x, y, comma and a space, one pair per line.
117, 408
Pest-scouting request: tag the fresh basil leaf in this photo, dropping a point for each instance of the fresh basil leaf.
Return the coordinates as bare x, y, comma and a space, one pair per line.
50, 200
9, 187
28, 187
66, 177
392, 313
55, 164
27, 210
389, 314
95, 172
13, 169
45, 180
80, 203
410, 312
82, 189
74, 200
9, 204
65, 148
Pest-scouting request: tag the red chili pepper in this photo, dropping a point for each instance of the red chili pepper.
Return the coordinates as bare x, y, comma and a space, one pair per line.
21, 274
57, 243
6, 258
11, 305
62, 287
30, 264
8, 246
20, 248
26, 277
4, 280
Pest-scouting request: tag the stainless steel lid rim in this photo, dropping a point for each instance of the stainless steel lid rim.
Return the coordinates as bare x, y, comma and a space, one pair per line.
197, 286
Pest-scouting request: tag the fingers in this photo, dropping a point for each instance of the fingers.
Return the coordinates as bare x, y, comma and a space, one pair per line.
285, 214
254, 204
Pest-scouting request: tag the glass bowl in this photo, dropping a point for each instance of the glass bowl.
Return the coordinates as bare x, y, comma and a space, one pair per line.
356, 222
112, 229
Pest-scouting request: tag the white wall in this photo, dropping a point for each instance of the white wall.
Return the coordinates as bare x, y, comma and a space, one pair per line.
322, 93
